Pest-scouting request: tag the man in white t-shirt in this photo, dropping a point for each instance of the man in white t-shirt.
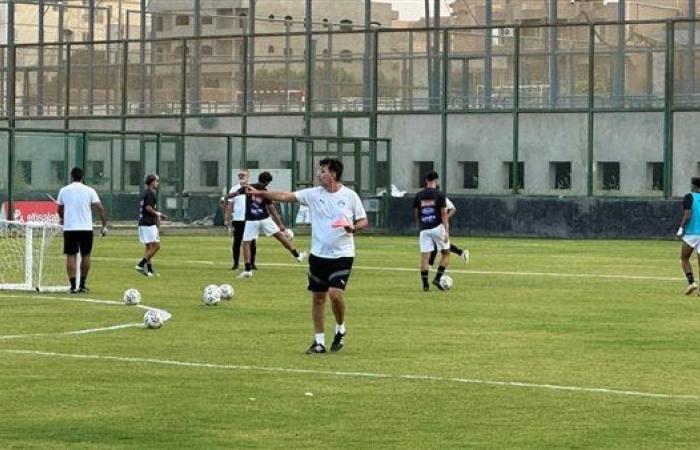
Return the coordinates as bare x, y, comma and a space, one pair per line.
236, 208
336, 214
75, 203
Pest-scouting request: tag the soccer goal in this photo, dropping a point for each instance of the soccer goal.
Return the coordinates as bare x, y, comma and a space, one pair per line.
31, 257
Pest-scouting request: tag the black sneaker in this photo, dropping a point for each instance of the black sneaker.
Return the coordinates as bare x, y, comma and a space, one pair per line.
73, 291
83, 290
338, 341
315, 348
426, 288
437, 284
234, 267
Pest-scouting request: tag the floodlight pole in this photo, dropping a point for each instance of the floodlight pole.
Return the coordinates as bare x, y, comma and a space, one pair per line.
142, 55
618, 90
40, 62
367, 62
195, 87
488, 63
91, 55
10, 93
690, 67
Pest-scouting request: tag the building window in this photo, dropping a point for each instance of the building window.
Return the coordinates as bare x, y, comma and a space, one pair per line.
508, 168
609, 176
58, 171
252, 164
211, 82
560, 175
24, 171
420, 170
288, 165
382, 173
160, 23
181, 20
271, 49
133, 173
224, 12
207, 20
207, 50
168, 171
288, 51
655, 176
346, 55
209, 173
470, 171
95, 171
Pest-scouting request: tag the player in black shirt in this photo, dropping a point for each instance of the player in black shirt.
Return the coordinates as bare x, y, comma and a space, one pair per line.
149, 224
433, 222
261, 215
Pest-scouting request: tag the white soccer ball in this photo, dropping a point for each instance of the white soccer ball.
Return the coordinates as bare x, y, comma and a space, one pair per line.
211, 295
226, 292
152, 319
289, 233
132, 296
446, 282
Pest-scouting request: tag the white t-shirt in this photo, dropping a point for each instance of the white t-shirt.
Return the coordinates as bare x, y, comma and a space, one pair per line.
325, 208
77, 200
238, 204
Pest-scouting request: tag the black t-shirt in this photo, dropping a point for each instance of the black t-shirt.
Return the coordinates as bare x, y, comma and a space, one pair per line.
146, 218
256, 207
429, 202
688, 201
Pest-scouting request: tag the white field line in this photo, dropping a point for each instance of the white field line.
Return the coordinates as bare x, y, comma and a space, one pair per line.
164, 314
517, 384
450, 270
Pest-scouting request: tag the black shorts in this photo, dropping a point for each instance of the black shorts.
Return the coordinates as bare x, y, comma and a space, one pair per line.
75, 242
328, 272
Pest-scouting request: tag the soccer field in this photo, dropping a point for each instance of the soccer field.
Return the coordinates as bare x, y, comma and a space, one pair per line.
541, 343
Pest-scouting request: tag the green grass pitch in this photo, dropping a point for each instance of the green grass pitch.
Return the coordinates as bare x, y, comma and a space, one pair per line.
541, 343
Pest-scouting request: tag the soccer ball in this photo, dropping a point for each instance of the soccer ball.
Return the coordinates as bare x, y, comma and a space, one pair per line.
211, 295
152, 319
289, 233
226, 291
446, 282
132, 297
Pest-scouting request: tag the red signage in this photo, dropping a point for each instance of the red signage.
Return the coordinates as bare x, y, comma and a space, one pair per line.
32, 211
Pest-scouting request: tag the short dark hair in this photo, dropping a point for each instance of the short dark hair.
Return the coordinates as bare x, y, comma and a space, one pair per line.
265, 178
334, 165
431, 176
695, 181
150, 178
76, 174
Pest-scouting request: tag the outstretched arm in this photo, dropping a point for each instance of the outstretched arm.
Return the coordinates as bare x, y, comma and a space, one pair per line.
272, 195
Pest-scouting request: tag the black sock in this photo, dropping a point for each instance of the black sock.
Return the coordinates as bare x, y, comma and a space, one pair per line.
424, 278
439, 273
142, 262
150, 267
295, 252
83, 280
248, 267
72, 283
456, 250
431, 259
690, 277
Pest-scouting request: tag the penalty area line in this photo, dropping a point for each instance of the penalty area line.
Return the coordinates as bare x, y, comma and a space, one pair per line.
457, 380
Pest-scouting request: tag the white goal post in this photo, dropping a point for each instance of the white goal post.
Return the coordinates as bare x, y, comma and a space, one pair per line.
31, 257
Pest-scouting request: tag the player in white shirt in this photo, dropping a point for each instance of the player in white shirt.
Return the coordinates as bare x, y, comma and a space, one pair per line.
75, 203
336, 214
462, 253
235, 210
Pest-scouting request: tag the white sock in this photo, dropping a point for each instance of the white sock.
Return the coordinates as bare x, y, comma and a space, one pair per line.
340, 328
320, 338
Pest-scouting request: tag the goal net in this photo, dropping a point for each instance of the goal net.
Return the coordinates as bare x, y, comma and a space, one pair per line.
32, 257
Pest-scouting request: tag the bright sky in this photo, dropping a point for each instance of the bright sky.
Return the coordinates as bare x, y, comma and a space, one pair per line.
415, 9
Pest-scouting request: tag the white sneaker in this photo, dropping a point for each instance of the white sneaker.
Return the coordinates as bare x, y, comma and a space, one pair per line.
246, 274
301, 257
692, 287
465, 256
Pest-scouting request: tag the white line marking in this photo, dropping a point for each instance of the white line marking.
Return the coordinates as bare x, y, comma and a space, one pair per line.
450, 270
164, 314
520, 384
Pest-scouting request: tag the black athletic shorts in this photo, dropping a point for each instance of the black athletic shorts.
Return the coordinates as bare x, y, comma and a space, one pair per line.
328, 272
75, 242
